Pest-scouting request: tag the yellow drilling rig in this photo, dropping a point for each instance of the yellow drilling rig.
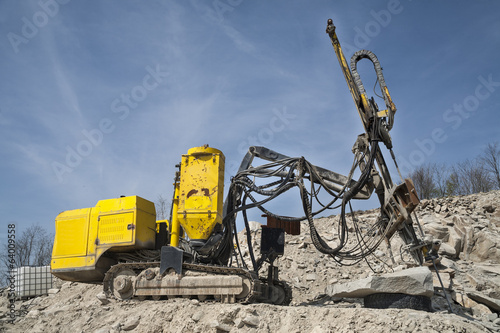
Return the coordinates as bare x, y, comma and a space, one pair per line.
196, 252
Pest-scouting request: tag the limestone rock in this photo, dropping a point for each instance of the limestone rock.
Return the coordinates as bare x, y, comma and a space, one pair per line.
445, 278
238, 322
480, 310
457, 243
102, 298
197, 316
438, 231
485, 246
447, 250
490, 269
492, 316
311, 277
102, 330
55, 311
251, 320
413, 281
34, 313
116, 326
488, 301
221, 326
66, 285
131, 323
254, 226
464, 300
468, 242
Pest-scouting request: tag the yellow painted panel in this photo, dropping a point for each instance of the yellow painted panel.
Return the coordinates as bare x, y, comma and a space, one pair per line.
125, 223
71, 262
116, 228
71, 233
158, 224
199, 202
145, 223
201, 191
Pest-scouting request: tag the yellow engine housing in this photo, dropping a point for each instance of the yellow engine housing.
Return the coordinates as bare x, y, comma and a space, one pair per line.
83, 235
198, 207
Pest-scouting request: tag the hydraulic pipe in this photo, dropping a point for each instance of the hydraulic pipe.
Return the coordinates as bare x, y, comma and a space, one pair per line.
175, 231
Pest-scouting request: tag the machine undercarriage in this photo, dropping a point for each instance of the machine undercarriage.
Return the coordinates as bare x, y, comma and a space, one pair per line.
225, 284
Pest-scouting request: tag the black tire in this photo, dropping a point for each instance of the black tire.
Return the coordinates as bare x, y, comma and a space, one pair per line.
398, 301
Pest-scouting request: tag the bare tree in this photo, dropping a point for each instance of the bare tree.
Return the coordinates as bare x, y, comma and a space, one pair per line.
452, 184
162, 208
491, 160
472, 177
441, 174
424, 179
33, 248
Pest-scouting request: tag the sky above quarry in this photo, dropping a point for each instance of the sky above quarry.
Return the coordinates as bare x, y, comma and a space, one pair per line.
101, 99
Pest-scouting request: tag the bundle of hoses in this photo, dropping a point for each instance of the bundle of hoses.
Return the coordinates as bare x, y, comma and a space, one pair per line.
293, 172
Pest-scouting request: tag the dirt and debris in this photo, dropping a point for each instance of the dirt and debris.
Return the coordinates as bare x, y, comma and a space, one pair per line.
467, 226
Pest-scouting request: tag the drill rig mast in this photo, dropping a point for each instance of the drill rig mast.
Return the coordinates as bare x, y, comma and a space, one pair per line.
397, 202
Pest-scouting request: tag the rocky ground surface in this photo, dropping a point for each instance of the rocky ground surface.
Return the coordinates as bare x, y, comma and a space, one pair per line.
467, 226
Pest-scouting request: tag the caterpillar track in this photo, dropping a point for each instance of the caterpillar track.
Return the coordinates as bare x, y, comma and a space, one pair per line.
225, 284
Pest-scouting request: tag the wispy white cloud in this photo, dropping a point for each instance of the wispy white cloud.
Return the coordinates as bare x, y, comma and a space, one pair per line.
239, 41
66, 90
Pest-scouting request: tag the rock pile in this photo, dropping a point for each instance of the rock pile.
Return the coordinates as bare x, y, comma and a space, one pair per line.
467, 226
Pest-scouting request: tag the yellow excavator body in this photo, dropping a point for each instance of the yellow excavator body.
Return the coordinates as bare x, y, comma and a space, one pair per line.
87, 238
114, 225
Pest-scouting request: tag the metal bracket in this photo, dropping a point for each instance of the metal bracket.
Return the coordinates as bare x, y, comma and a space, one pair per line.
171, 257
272, 241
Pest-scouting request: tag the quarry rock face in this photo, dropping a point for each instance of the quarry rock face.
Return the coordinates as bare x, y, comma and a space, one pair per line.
469, 224
325, 298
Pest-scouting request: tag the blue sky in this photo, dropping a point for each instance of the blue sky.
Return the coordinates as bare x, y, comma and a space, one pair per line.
101, 99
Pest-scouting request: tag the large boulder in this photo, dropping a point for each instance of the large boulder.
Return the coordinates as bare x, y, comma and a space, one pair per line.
486, 246
413, 281
456, 241
437, 230
492, 303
